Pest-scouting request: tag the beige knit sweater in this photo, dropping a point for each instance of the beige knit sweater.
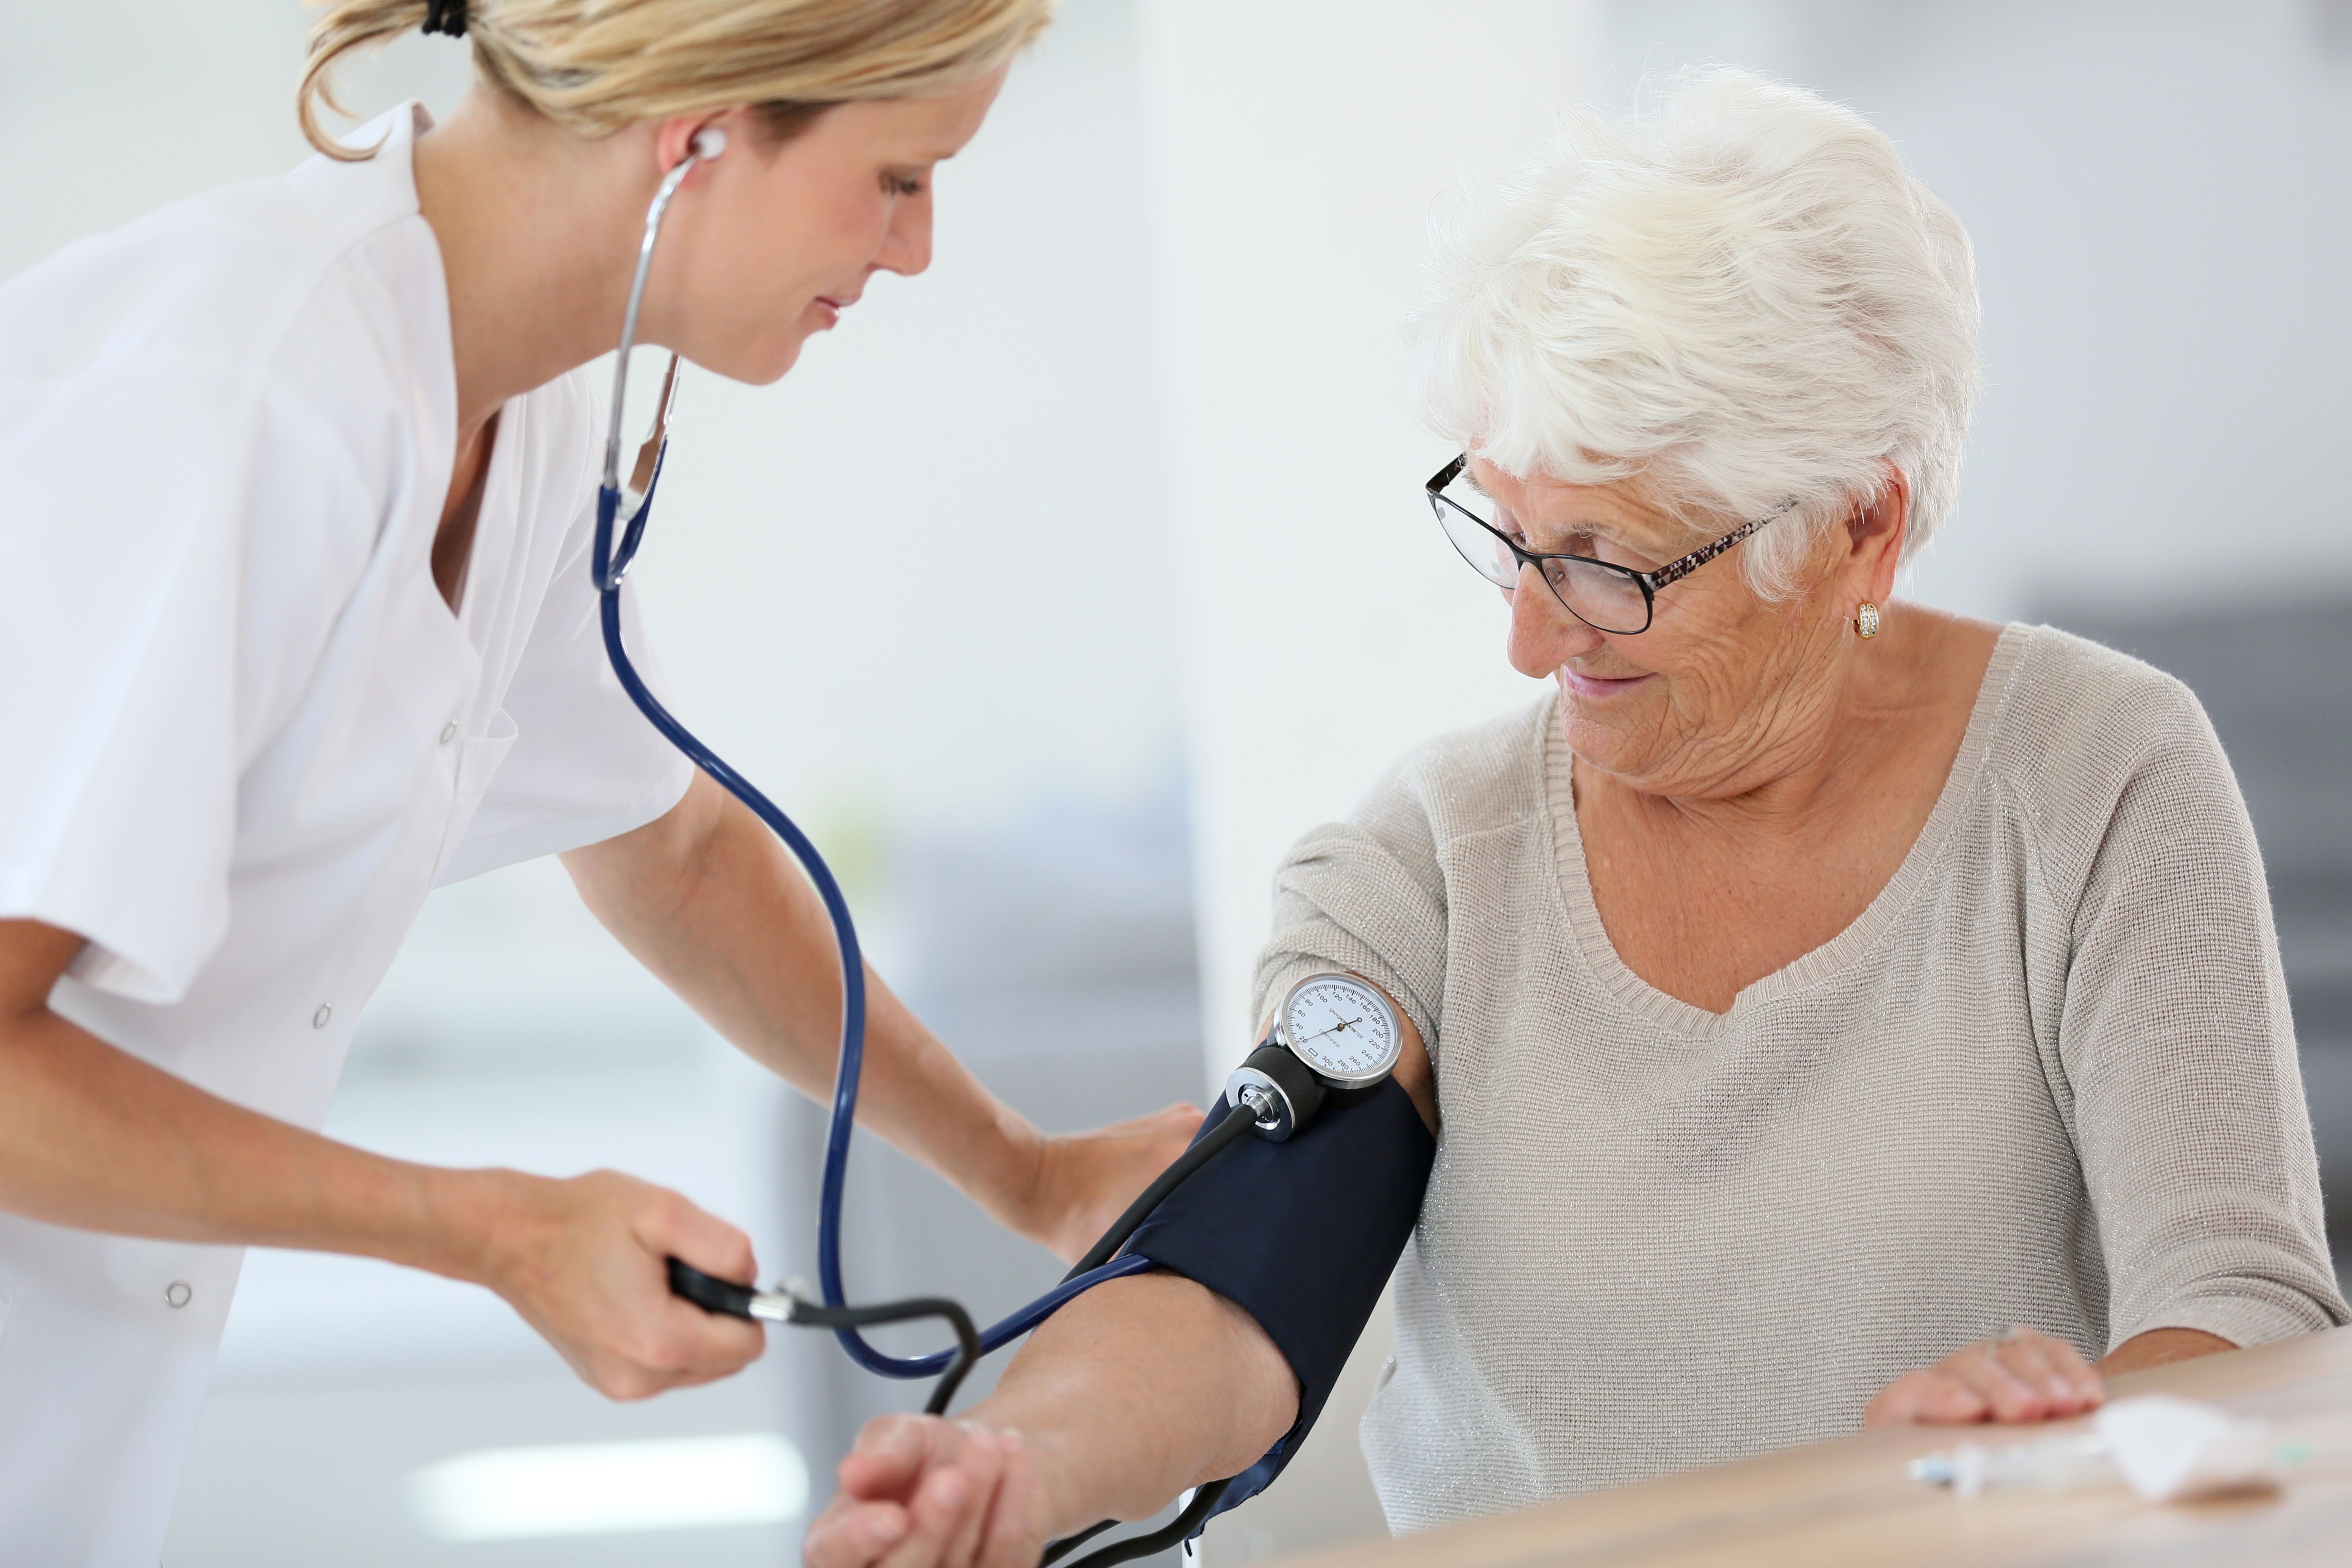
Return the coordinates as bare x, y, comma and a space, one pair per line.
2048, 1078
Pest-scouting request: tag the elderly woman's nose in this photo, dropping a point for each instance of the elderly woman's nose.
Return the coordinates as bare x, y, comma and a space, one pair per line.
1544, 636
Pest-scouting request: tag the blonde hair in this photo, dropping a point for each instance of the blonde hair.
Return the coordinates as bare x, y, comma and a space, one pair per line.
594, 66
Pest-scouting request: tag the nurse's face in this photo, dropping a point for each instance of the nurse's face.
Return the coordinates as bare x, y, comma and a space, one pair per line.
772, 240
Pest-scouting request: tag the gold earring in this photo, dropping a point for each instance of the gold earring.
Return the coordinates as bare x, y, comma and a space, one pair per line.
1865, 619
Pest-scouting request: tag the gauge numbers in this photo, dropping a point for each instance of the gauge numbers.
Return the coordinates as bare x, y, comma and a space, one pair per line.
1341, 1027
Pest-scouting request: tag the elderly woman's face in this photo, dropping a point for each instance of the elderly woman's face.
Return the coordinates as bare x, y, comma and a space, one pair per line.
1712, 695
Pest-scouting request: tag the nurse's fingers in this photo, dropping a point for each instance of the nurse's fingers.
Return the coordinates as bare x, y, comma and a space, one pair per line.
684, 1345
696, 1237
585, 1263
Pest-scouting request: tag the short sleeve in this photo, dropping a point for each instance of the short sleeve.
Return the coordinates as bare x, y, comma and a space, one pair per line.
130, 702
1365, 895
586, 765
2180, 1058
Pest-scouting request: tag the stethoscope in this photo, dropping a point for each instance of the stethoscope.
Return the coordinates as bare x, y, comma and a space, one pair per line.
1275, 1092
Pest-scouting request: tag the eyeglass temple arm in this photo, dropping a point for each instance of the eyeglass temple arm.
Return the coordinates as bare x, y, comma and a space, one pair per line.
1675, 571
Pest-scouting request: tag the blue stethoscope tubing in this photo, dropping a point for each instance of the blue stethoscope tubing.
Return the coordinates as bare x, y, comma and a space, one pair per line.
610, 565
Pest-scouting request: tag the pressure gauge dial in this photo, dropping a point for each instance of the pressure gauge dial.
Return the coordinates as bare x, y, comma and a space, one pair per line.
1342, 1028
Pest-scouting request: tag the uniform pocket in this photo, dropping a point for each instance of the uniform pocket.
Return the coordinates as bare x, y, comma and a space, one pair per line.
479, 757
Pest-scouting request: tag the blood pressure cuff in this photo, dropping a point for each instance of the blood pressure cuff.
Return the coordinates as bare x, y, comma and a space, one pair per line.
1302, 1236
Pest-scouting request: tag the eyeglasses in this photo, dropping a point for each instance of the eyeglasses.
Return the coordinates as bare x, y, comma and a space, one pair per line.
1603, 595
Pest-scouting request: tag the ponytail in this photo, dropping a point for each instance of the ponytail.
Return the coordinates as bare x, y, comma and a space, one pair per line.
593, 66
351, 24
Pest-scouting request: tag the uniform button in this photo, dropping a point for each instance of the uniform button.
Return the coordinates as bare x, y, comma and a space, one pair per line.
178, 1294
449, 731
318, 1019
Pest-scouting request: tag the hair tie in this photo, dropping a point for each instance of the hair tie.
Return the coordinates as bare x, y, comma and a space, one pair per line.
446, 16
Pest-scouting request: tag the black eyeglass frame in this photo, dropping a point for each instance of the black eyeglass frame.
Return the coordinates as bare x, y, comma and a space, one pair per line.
1648, 582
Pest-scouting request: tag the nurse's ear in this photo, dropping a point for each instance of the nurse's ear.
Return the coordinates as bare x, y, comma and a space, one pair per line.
699, 136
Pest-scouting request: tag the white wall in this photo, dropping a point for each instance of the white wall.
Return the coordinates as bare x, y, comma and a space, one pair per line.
107, 111
1327, 623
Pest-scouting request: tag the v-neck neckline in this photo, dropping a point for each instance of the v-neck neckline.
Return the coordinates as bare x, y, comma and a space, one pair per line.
476, 501
1574, 878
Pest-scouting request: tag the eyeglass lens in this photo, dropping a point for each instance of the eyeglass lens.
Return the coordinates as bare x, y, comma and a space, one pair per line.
1604, 599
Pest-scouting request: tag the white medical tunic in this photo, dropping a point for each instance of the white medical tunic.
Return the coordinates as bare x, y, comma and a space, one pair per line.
242, 735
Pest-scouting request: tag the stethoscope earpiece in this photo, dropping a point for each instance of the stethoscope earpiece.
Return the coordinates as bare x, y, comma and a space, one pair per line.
708, 143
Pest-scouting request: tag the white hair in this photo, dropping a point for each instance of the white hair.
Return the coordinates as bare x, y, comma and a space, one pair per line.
1739, 297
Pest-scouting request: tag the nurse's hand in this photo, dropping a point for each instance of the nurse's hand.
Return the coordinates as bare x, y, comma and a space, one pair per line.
1084, 1182
920, 1492
585, 1263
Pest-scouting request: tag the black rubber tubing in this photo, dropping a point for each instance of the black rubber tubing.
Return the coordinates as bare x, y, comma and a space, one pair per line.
724, 1296
1204, 1149
1174, 1533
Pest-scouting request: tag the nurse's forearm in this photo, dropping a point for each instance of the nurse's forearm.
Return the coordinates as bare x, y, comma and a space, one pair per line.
92, 1137
713, 904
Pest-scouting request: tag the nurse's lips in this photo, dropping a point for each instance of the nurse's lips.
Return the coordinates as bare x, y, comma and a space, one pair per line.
831, 309
1590, 687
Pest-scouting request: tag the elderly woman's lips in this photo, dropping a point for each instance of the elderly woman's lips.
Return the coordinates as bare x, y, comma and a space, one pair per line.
1597, 685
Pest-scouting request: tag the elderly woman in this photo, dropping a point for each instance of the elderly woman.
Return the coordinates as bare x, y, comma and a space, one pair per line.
1835, 1010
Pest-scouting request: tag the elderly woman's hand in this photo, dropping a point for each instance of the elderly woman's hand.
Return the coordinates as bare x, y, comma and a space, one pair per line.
921, 1492
2019, 1376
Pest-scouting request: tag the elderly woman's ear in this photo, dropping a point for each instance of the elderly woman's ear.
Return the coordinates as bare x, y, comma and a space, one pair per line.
1875, 536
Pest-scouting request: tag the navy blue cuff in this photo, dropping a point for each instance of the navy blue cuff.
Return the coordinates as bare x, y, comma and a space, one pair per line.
1303, 1236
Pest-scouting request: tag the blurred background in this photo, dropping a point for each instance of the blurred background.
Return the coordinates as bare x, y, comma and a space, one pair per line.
1143, 433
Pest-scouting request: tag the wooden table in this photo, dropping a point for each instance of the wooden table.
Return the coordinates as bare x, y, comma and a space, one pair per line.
1849, 1502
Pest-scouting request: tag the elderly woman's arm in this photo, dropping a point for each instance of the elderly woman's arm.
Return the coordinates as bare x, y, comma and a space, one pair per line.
2176, 1068
1139, 1389
2174, 1065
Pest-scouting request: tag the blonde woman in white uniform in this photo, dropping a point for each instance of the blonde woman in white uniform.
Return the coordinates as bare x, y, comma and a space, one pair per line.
294, 588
